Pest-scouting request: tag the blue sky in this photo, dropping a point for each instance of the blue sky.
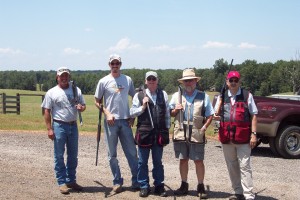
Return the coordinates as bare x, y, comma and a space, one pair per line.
156, 34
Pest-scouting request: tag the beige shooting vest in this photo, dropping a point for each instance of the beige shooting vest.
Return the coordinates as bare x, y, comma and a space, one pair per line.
192, 131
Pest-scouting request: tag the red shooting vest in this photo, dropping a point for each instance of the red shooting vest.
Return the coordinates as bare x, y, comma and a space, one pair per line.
235, 120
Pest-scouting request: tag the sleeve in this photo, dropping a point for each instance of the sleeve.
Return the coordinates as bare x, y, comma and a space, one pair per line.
136, 108
172, 103
81, 98
99, 90
131, 88
208, 106
251, 104
47, 102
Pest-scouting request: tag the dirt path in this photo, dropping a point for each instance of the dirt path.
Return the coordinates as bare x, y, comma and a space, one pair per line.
26, 164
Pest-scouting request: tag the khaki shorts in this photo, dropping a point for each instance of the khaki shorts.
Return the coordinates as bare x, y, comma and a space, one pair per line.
185, 150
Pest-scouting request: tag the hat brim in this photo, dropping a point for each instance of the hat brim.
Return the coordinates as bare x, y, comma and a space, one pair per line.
190, 77
60, 73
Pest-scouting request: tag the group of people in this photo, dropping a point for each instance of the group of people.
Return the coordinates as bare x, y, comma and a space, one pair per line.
192, 111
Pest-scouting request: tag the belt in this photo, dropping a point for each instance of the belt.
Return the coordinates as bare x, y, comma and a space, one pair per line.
62, 122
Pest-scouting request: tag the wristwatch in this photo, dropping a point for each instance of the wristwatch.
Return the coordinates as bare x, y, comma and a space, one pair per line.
254, 133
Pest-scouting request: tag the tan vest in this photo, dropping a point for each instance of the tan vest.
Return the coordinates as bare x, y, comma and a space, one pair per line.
194, 135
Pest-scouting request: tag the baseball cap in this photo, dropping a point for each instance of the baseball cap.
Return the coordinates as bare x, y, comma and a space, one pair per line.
151, 73
62, 70
114, 57
232, 74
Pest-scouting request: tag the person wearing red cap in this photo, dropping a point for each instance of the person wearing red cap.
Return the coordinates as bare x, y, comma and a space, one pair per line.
237, 133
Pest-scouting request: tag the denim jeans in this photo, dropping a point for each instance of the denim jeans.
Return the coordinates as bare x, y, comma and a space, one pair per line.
122, 131
158, 168
66, 136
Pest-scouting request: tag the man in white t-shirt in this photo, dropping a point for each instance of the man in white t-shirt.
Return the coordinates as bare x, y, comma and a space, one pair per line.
114, 90
61, 108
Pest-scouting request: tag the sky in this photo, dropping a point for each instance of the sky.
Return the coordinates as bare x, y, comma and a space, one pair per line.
156, 34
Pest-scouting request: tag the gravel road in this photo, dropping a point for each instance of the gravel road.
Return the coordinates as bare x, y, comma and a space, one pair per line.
26, 164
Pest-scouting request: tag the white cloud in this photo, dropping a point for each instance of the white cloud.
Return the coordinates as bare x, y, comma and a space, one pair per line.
165, 47
212, 44
71, 51
124, 44
9, 51
246, 45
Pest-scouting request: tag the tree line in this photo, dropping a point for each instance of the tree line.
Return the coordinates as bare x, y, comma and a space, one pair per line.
261, 79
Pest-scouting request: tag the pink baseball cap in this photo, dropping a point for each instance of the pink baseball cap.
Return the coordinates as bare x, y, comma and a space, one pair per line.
232, 74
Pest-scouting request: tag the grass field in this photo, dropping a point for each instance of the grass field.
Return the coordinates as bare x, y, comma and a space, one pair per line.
31, 119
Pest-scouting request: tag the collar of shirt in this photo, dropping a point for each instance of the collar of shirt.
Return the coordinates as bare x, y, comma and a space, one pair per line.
152, 96
189, 99
233, 97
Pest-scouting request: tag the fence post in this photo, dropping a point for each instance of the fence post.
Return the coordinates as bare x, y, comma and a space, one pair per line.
4, 103
18, 104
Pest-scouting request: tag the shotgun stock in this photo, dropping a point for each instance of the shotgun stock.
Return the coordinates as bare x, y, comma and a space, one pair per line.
149, 112
180, 112
75, 93
222, 94
99, 132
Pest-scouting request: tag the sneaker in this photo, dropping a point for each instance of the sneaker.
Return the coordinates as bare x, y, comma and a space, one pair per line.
201, 191
74, 186
237, 197
183, 190
117, 188
144, 192
160, 191
64, 189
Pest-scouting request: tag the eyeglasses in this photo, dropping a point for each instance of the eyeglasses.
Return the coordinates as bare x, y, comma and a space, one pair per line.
188, 80
115, 63
151, 78
234, 80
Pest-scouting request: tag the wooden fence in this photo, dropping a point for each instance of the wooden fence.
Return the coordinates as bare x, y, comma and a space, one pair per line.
12, 104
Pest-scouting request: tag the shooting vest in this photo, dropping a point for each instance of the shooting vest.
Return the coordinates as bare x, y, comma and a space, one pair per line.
145, 135
193, 120
235, 119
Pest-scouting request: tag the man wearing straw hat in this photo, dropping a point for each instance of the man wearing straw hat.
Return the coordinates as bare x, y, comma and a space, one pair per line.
196, 112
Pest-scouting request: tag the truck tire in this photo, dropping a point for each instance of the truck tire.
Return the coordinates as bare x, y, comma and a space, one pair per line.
287, 142
273, 147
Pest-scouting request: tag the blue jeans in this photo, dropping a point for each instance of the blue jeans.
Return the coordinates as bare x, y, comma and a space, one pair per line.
122, 131
158, 168
66, 135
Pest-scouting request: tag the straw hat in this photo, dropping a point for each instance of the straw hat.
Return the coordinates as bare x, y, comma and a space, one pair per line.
188, 74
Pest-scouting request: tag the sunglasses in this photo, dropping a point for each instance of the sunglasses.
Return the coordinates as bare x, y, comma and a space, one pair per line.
115, 63
234, 80
188, 80
151, 78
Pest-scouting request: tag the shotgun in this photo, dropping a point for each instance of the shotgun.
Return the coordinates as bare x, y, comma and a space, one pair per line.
75, 93
180, 112
149, 112
99, 132
222, 95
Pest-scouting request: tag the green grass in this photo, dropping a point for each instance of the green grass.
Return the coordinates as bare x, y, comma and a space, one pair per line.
31, 119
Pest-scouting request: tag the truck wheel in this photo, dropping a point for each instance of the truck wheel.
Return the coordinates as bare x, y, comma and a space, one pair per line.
288, 142
273, 147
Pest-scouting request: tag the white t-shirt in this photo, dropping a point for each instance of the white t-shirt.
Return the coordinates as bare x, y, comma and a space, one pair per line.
115, 92
62, 103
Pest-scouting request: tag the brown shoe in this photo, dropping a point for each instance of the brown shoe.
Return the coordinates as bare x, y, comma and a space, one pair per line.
64, 189
117, 188
74, 186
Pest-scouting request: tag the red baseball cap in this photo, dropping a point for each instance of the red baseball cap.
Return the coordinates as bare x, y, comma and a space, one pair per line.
232, 74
